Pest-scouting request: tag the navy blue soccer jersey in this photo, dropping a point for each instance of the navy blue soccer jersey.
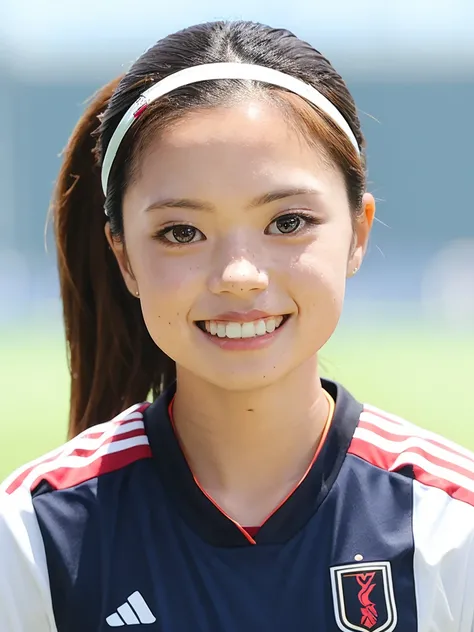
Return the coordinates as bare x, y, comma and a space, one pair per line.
112, 530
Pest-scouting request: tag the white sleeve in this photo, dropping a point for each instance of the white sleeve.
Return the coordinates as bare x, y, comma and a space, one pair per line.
25, 598
443, 531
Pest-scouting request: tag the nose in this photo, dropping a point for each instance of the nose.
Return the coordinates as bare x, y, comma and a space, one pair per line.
239, 276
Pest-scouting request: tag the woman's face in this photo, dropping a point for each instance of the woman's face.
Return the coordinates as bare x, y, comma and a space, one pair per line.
238, 237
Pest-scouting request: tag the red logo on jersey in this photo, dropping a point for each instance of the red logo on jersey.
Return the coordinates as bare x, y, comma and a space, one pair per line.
363, 597
368, 610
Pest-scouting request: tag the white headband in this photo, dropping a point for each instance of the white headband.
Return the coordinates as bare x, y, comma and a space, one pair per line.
207, 72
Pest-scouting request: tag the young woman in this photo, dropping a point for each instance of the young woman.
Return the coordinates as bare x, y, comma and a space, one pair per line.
251, 494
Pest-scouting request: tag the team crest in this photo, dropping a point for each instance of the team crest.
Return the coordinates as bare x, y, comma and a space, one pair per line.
363, 597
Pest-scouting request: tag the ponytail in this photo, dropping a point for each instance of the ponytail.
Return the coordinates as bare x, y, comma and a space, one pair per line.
113, 361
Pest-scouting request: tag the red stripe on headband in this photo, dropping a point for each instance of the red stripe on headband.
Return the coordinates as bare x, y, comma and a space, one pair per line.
140, 111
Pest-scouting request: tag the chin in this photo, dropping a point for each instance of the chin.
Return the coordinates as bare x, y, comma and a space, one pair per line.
244, 382
248, 375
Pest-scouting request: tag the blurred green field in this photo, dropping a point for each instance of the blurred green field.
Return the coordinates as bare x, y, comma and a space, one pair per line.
422, 375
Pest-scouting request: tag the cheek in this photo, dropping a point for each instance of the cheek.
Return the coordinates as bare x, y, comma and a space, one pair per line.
168, 287
319, 287
318, 280
163, 276
318, 276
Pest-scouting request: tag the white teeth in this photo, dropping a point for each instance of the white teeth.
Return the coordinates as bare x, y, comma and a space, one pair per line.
260, 328
233, 330
243, 330
270, 325
248, 330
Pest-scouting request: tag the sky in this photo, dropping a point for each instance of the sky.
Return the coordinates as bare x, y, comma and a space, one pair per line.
49, 35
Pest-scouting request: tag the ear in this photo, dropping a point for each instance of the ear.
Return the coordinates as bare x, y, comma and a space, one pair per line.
362, 228
118, 248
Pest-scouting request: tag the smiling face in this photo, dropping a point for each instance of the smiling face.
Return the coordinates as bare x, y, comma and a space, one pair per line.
238, 237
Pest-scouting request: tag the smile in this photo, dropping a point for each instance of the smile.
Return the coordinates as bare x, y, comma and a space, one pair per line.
236, 330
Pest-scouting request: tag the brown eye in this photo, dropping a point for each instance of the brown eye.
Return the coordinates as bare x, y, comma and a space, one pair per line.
183, 234
288, 224
285, 225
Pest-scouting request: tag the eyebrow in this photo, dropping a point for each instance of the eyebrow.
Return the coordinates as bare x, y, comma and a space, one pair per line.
281, 194
195, 205
266, 198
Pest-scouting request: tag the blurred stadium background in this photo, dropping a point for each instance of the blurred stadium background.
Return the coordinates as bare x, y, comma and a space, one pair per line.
406, 341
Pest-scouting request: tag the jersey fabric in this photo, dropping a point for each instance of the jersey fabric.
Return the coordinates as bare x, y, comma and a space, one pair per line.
112, 530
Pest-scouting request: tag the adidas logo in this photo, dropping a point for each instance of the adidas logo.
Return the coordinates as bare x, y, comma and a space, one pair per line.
134, 611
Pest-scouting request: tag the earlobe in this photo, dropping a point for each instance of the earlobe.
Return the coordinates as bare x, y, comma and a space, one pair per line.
120, 253
354, 263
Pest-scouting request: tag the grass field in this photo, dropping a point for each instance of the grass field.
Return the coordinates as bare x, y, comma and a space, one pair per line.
422, 375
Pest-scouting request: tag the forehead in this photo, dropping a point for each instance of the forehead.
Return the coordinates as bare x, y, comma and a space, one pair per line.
244, 147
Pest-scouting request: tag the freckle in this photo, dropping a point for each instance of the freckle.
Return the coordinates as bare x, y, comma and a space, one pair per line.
250, 410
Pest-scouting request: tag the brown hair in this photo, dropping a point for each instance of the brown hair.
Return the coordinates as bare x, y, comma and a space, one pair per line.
114, 363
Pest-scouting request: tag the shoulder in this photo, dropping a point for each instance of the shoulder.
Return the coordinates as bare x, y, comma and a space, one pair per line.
441, 518
99, 450
394, 444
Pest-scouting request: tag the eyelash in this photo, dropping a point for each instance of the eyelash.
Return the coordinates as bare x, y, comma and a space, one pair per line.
161, 235
308, 219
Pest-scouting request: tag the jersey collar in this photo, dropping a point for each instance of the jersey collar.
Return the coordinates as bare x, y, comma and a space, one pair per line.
205, 518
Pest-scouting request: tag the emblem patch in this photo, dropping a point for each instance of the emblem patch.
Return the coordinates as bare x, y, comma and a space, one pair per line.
363, 597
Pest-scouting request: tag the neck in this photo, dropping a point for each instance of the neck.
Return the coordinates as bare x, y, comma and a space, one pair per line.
249, 450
